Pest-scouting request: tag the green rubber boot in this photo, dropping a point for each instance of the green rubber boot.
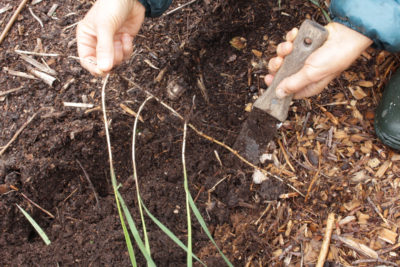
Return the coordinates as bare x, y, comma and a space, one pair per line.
387, 115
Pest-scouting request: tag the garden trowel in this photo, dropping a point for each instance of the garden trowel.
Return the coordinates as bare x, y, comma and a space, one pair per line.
268, 110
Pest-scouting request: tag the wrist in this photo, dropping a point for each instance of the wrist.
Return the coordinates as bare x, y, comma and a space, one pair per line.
348, 36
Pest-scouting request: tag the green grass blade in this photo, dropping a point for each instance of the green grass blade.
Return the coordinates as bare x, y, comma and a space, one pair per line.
146, 239
315, 2
187, 193
135, 232
38, 229
204, 226
113, 178
128, 241
169, 233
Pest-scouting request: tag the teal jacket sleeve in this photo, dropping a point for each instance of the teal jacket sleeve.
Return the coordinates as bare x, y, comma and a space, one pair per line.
377, 19
154, 8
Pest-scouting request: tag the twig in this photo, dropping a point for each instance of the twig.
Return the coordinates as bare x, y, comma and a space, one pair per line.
70, 26
52, 55
264, 212
78, 105
327, 239
234, 152
377, 210
360, 248
19, 73
11, 90
36, 17
18, 133
286, 156
48, 79
90, 184
37, 53
215, 186
357, 262
37, 64
37, 206
182, 6
12, 20
312, 183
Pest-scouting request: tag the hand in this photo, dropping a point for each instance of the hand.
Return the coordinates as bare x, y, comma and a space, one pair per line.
340, 50
105, 35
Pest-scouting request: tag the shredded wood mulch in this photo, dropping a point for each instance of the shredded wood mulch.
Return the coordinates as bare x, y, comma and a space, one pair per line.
56, 163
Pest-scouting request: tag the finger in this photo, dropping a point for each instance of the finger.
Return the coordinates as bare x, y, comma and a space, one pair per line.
268, 79
86, 49
118, 53
274, 64
314, 88
298, 81
284, 49
90, 64
127, 46
105, 48
291, 35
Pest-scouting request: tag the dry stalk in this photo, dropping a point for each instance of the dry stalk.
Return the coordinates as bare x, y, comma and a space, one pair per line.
96, 196
234, 152
312, 183
178, 8
11, 91
37, 206
12, 20
18, 133
327, 239
36, 17
377, 210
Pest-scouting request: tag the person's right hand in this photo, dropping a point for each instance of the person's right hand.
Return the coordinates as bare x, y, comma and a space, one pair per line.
340, 50
105, 35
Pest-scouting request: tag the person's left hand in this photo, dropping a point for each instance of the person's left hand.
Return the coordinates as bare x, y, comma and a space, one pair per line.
340, 50
106, 33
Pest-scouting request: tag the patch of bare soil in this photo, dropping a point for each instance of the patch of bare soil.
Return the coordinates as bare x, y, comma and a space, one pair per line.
327, 149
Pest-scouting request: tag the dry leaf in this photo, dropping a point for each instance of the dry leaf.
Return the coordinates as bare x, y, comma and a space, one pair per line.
373, 163
383, 169
396, 157
340, 134
357, 92
238, 42
369, 115
381, 57
388, 236
365, 83
357, 138
347, 220
362, 218
256, 53
355, 203
350, 76
248, 107
360, 176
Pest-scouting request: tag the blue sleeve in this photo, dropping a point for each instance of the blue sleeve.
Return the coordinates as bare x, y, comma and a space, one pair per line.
155, 8
377, 19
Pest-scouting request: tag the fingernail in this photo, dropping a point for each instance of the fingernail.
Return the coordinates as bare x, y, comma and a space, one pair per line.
280, 93
104, 63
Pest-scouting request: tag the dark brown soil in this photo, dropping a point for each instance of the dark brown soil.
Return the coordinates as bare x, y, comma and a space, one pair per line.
191, 44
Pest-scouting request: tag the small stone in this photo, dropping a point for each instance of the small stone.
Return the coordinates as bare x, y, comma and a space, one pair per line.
259, 177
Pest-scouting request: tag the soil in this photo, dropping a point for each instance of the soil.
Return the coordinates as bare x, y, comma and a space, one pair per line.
190, 45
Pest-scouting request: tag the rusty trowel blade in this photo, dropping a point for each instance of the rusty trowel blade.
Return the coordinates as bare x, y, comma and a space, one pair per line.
257, 131
269, 110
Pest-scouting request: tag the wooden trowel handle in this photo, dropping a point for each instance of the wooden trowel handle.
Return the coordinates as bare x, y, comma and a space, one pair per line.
310, 37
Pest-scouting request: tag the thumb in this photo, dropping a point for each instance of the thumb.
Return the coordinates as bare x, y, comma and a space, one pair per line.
295, 83
105, 48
